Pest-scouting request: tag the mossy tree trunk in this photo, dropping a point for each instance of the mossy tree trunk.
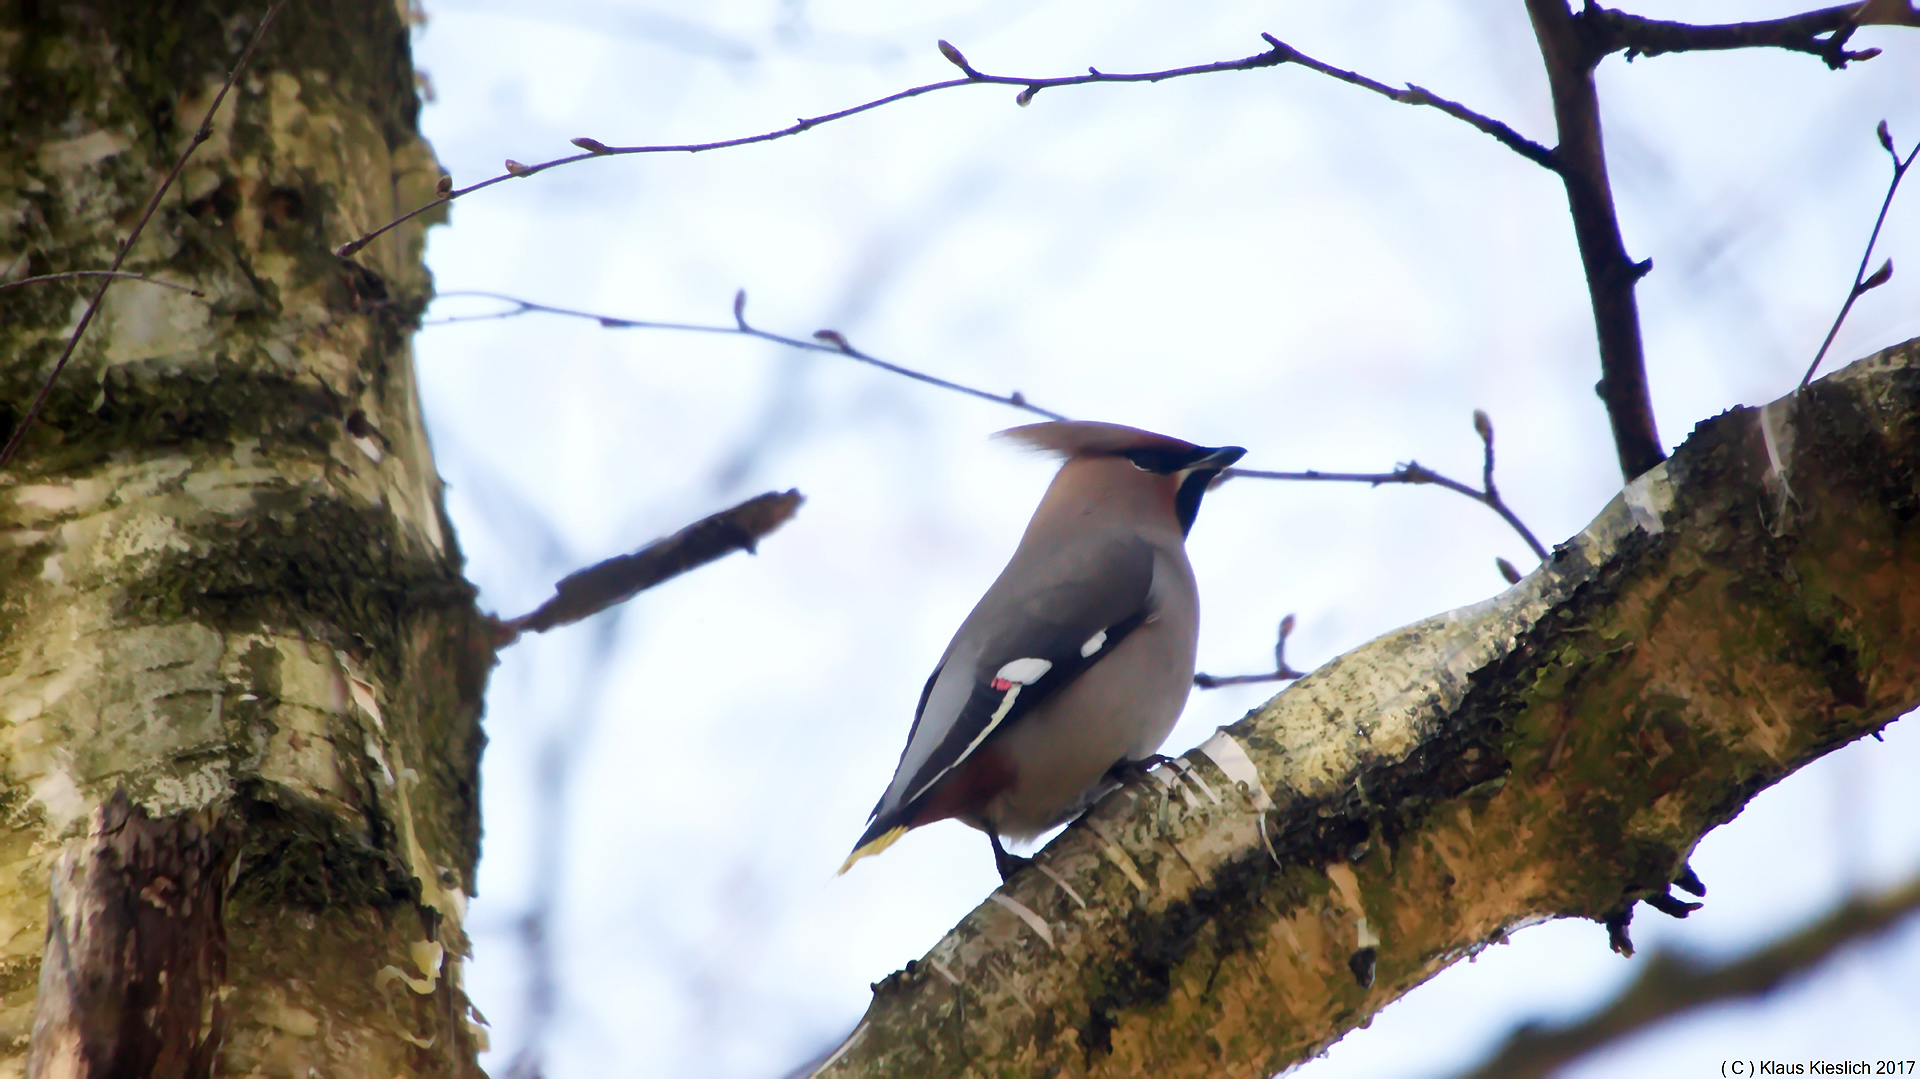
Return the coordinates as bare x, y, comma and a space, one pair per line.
233, 627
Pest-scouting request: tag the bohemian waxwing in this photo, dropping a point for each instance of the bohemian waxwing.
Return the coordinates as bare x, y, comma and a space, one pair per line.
1077, 660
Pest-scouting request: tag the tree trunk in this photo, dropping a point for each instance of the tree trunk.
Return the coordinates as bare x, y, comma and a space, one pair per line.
1556, 751
233, 628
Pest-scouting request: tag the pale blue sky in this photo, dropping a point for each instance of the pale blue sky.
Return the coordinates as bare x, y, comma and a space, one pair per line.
1268, 259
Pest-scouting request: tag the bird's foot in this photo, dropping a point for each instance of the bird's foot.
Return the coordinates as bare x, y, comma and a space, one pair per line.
1133, 772
1007, 864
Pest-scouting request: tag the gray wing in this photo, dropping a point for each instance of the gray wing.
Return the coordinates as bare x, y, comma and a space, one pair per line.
1015, 651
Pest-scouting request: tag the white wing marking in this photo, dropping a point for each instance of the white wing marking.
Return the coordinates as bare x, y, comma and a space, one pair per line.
1000, 713
1024, 671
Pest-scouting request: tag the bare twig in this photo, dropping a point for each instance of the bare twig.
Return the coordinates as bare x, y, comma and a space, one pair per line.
1281, 671
143, 278
835, 342
1416, 473
620, 578
1412, 472
1823, 33
1280, 53
832, 341
111, 273
1490, 495
1416, 95
595, 148
1671, 985
1863, 282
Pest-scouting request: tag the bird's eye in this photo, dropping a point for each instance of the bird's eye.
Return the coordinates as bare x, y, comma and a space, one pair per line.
1150, 460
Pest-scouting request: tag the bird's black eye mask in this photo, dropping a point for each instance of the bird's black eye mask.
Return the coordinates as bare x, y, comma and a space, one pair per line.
1205, 463
1163, 459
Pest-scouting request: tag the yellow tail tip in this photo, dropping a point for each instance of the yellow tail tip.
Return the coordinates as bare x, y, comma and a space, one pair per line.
886, 840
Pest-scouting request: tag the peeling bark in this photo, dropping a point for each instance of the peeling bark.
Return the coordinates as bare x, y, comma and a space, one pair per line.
1556, 751
227, 584
136, 948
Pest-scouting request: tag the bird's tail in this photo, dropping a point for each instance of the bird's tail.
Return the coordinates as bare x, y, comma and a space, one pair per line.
873, 846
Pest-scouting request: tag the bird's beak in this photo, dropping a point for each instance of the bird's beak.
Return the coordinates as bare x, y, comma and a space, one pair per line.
1218, 458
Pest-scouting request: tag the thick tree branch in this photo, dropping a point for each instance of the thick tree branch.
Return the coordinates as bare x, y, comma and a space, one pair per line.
1823, 33
1611, 274
1556, 751
1672, 985
292, 649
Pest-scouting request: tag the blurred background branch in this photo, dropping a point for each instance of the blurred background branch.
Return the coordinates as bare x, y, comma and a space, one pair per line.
1673, 983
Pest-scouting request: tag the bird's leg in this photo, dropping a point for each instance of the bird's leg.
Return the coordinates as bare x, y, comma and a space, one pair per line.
1007, 864
1130, 771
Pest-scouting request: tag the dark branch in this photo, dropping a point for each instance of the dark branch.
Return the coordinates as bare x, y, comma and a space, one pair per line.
835, 342
622, 577
831, 341
1282, 672
1610, 273
1029, 87
1280, 53
1862, 281
1572, 44
1416, 473
201, 135
1411, 472
1670, 986
72, 274
1822, 33
1416, 95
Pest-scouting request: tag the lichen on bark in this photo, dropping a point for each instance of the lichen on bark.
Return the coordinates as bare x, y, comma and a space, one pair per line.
227, 584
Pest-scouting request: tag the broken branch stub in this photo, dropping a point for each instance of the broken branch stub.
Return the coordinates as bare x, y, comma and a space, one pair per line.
622, 577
